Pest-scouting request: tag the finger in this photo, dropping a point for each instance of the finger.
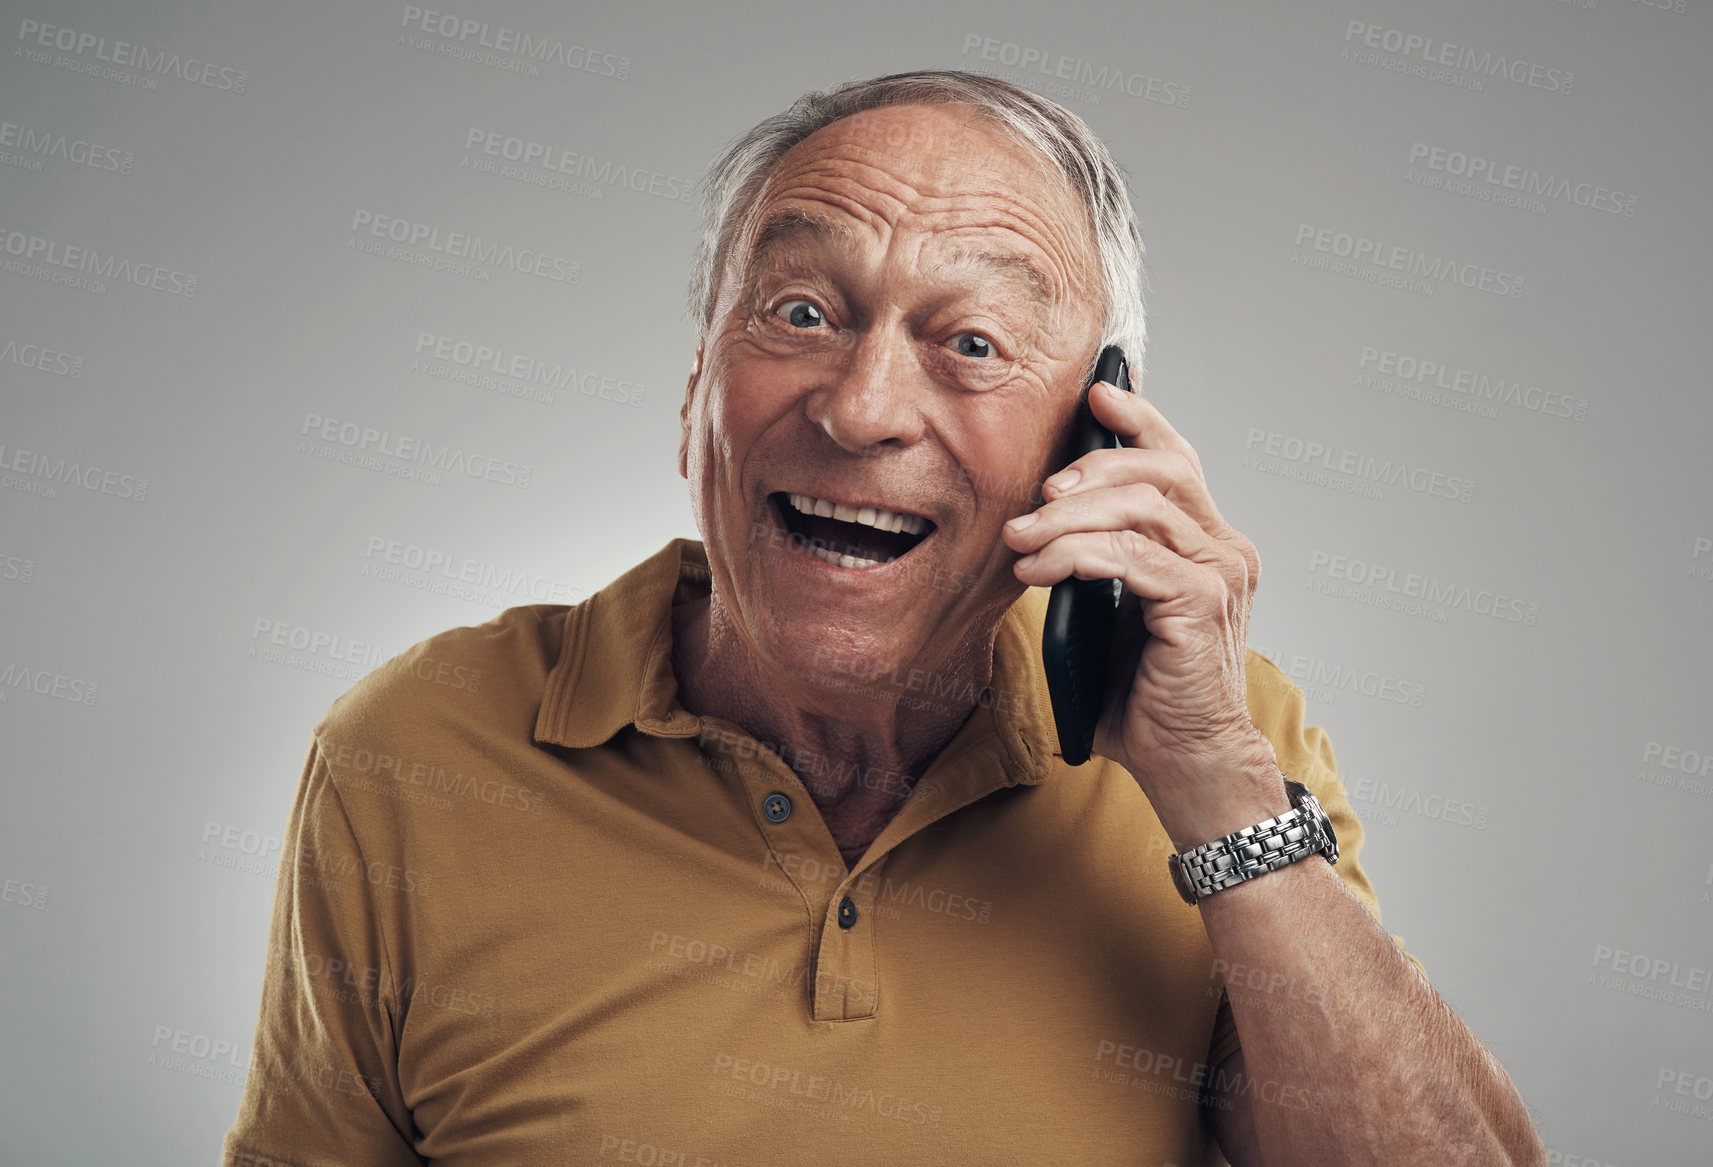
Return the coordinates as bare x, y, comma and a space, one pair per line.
1166, 470
1236, 563
1139, 506
1137, 422
1146, 569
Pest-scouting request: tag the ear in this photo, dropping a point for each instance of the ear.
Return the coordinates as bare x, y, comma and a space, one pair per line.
684, 414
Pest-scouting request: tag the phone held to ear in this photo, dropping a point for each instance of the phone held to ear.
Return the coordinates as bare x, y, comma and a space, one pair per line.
1077, 637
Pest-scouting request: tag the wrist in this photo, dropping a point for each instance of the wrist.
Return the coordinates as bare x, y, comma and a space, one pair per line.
1234, 788
1259, 849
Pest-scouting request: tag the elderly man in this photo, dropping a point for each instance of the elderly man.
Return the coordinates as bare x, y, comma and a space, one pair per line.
767, 852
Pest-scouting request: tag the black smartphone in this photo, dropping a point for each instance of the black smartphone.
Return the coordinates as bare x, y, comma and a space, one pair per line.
1077, 638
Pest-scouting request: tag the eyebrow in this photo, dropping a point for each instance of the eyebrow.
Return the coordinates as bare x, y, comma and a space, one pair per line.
792, 223
1004, 263
788, 225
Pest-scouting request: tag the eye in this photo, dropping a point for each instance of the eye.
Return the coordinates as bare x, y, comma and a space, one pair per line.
801, 313
974, 344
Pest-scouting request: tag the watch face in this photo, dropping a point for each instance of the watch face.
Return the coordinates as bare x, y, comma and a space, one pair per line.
1300, 795
1181, 881
1319, 812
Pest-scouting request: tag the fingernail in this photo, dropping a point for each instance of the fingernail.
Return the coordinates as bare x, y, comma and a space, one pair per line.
1064, 479
1022, 521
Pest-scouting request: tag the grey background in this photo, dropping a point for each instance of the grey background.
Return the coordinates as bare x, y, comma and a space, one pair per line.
143, 806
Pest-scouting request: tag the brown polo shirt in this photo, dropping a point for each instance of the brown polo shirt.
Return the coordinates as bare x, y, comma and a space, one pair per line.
533, 911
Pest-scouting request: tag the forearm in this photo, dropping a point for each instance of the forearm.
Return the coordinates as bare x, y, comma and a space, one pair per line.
1382, 1069
1348, 1054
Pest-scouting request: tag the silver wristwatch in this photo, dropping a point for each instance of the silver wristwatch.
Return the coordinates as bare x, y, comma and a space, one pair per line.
1228, 861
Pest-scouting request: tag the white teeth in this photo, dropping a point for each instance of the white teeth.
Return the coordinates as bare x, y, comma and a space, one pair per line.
876, 517
841, 560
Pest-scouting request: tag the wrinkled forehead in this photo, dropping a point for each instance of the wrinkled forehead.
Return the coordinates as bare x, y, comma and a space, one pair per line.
947, 173
941, 142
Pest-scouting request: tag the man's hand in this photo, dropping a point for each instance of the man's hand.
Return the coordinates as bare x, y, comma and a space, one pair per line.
1177, 718
1176, 711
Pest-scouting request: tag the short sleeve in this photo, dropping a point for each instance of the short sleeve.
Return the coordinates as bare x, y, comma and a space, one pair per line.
1278, 708
1322, 780
322, 1089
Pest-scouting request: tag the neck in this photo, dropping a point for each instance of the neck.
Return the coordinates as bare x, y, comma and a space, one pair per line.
857, 743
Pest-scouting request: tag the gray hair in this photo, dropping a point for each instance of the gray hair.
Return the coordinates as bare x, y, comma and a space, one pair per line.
735, 181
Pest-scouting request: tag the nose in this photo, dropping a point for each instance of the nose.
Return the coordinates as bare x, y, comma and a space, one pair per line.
872, 400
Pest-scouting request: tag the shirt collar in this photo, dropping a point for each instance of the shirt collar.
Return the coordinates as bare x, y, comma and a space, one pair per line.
615, 668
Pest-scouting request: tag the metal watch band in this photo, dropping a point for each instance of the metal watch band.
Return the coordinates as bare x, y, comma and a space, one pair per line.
1267, 846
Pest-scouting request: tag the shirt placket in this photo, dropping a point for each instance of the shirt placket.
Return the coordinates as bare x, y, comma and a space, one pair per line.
842, 982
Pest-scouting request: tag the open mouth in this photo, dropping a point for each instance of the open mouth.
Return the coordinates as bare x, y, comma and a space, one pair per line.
849, 536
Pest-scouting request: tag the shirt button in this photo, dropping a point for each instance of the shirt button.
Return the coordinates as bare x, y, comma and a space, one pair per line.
777, 807
847, 912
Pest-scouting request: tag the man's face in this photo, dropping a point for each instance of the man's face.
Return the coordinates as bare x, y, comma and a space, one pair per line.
902, 330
